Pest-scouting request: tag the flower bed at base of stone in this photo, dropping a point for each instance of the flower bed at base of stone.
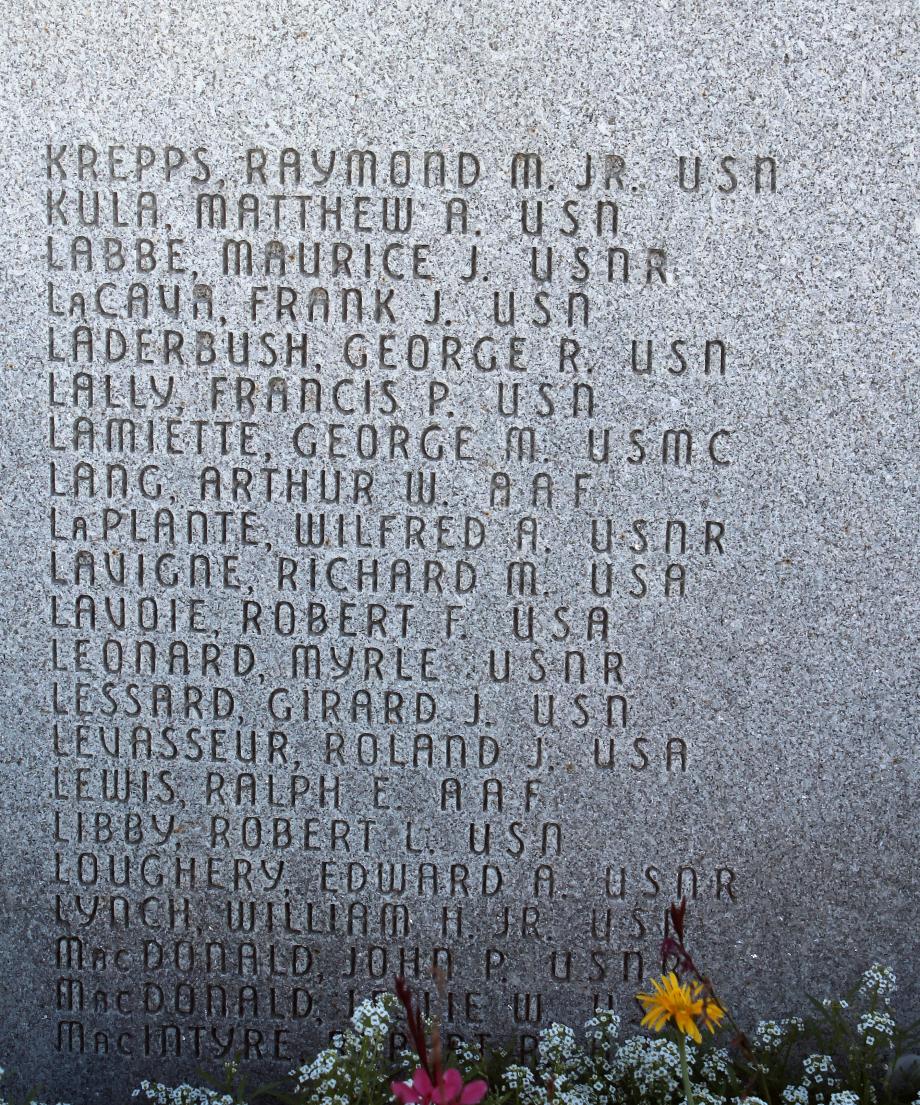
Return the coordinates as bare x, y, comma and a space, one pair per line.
848, 1051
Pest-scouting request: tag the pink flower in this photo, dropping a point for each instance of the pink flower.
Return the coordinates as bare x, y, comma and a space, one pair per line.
449, 1090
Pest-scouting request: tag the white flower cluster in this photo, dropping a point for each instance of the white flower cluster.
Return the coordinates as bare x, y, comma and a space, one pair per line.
818, 1069
559, 1087
704, 1096
516, 1077
643, 1070
603, 1086
565, 1073
844, 1097
876, 1028
795, 1095
373, 1018
184, 1094
466, 1055
819, 1076
603, 1028
520, 1080
320, 1068
330, 1075
651, 1067
406, 1059
575, 1095
879, 981
714, 1066
771, 1035
556, 1046
327, 1075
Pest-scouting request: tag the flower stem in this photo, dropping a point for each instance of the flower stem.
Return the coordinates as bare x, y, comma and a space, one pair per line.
684, 1069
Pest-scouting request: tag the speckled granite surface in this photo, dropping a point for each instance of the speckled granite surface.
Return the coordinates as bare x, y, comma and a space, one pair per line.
755, 671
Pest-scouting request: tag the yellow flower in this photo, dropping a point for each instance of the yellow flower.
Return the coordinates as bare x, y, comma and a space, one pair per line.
682, 1003
713, 1014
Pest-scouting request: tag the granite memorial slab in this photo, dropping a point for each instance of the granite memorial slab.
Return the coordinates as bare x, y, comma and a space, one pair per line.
459, 495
